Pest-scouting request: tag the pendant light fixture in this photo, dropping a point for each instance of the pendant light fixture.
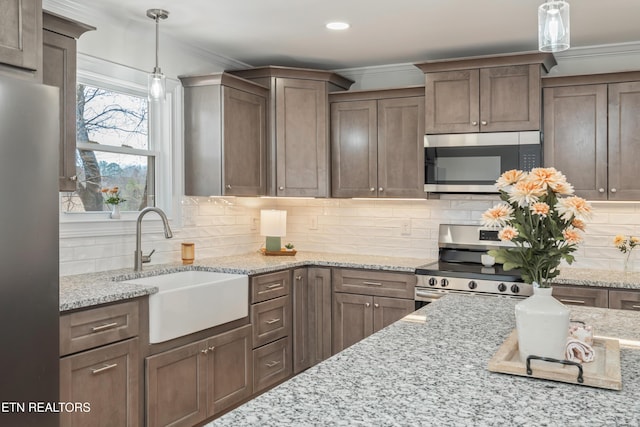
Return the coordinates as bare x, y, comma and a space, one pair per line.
156, 78
553, 26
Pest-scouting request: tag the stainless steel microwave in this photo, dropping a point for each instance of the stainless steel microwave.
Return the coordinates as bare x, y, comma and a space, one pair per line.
471, 163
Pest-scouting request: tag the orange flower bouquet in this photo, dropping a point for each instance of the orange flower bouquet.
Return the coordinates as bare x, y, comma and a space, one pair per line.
544, 226
112, 196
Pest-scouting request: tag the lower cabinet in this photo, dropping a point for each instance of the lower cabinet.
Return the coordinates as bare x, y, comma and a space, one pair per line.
107, 379
188, 384
580, 295
355, 317
311, 317
624, 300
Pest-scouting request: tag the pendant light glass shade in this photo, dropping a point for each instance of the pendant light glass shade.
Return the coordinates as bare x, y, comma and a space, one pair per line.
553, 26
157, 84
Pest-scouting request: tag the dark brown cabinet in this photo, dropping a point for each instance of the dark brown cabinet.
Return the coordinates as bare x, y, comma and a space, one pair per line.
225, 136
272, 328
624, 300
581, 295
591, 132
484, 94
299, 128
21, 38
312, 317
101, 365
377, 143
188, 384
59, 70
366, 301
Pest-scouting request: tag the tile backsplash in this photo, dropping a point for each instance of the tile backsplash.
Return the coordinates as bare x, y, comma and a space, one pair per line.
228, 226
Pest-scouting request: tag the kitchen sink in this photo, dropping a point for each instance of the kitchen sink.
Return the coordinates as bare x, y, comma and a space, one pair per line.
190, 301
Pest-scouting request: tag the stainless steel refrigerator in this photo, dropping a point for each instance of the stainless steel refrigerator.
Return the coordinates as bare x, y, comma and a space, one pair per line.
29, 356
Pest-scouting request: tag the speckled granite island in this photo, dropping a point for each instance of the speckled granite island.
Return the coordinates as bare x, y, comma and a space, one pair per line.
434, 373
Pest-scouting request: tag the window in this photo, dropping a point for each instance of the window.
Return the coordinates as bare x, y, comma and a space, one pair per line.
113, 150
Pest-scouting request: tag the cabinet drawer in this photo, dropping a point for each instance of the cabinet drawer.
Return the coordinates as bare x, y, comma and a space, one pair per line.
578, 295
271, 320
271, 363
377, 283
99, 326
269, 286
624, 300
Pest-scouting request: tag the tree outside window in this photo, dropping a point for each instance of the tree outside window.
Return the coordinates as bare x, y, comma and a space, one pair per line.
112, 150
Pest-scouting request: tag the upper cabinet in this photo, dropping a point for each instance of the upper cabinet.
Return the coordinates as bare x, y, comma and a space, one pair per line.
377, 143
484, 94
21, 38
59, 70
591, 133
225, 136
299, 128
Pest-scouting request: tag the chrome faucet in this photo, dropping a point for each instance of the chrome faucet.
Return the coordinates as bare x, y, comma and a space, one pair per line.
139, 259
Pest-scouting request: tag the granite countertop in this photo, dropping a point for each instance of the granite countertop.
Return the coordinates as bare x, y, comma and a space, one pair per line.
86, 290
598, 278
434, 373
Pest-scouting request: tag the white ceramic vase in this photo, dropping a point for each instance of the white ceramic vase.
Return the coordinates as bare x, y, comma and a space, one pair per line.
115, 212
542, 323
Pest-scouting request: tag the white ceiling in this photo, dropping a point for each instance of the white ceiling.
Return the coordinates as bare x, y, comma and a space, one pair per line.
293, 33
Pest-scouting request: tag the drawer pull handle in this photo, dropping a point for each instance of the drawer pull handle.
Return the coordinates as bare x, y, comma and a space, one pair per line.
272, 363
637, 307
103, 327
104, 368
572, 301
372, 283
270, 288
272, 321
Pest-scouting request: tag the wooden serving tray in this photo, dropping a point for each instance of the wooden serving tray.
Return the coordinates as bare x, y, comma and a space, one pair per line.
602, 372
281, 252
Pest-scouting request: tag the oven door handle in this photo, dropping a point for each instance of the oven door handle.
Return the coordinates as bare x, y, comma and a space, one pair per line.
429, 296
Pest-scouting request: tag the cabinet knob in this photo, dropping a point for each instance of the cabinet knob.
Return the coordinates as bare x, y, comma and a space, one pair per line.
205, 351
483, 123
600, 190
281, 188
372, 189
376, 305
613, 190
366, 304
211, 348
73, 178
228, 186
474, 123
380, 190
298, 277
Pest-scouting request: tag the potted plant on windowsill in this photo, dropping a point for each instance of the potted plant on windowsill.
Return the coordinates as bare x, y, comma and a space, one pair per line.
113, 199
544, 221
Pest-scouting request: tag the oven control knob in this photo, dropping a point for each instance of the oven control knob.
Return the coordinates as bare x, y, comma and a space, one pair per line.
444, 283
433, 281
515, 289
502, 287
472, 284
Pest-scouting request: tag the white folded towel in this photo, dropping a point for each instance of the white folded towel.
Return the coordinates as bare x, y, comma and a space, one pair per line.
578, 351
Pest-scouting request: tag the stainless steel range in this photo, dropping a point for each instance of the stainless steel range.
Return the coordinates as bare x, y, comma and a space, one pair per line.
459, 267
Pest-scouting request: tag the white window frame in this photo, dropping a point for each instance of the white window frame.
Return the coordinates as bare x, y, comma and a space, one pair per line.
165, 129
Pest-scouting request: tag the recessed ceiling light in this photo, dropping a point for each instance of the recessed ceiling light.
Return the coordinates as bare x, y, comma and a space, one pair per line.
337, 25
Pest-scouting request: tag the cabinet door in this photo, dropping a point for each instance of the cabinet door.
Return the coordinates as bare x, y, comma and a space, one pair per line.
389, 310
176, 386
401, 147
59, 70
510, 98
107, 379
579, 295
624, 142
230, 369
354, 149
575, 136
624, 300
20, 33
319, 314
301, 318
302, 157
352, 319
452, 102
244, 147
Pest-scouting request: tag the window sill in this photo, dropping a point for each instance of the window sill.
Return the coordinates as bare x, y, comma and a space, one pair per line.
96, 224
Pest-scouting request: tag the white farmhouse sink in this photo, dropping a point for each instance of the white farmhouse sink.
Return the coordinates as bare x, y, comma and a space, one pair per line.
190, 301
